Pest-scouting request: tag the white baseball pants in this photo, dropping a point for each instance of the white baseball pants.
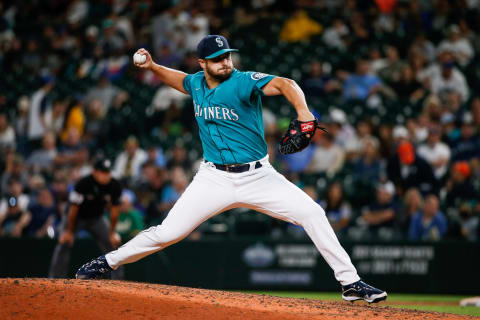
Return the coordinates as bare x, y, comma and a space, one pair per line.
213, 191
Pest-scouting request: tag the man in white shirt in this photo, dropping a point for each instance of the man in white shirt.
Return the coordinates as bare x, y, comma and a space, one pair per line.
459, 46
449, 79
38, 106
129, 162
435, 152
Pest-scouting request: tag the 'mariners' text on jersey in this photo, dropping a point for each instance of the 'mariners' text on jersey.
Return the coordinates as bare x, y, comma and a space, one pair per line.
220, 113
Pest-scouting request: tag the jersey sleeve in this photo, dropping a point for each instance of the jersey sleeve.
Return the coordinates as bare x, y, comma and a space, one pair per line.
251, 84
77, 195
187, 83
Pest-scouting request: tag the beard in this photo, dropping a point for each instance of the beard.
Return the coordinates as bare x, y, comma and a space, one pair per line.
219, 76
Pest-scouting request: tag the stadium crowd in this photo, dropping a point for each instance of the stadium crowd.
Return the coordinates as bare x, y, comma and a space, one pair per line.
70, 94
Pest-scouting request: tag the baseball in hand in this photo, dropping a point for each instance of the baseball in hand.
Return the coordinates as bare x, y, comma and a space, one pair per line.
139, 58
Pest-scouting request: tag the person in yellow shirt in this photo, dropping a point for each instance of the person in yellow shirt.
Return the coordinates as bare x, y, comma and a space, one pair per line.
74, 117
299, 27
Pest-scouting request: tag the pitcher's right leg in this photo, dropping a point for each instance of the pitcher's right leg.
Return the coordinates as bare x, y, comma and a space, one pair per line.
208, 195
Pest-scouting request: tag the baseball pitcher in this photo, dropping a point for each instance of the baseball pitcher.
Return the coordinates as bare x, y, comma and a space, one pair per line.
235, 171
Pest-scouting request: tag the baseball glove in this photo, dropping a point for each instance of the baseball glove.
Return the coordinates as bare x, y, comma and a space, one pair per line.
298, 136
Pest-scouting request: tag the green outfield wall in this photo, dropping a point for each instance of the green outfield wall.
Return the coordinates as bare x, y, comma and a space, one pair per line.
255, 263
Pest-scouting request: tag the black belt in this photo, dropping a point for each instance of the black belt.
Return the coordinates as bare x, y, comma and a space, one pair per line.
237, 168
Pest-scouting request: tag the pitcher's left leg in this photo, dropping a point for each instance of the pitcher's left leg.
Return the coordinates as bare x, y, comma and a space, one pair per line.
273, 194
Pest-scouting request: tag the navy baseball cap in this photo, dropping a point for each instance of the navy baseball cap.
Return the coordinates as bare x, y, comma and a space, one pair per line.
213, 46
103, 165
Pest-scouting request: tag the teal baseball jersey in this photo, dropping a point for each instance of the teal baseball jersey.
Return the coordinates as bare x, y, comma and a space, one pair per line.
229, 116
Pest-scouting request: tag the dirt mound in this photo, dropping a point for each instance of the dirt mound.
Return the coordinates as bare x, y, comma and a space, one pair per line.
104, 299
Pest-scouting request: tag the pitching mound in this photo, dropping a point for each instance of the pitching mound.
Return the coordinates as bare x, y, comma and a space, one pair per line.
102, 299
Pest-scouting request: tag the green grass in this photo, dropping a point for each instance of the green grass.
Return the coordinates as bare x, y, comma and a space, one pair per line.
456, 309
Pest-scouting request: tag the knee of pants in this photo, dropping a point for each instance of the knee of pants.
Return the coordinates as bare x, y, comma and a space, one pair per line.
169, 235
310, 212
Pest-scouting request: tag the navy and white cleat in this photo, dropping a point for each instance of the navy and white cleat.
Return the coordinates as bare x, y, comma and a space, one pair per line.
361, 291
94, 269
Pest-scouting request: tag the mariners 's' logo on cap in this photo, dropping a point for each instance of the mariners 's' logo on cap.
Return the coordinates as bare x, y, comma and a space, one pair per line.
219, 41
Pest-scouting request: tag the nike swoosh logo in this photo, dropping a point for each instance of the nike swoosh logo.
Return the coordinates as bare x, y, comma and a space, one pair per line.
197, 88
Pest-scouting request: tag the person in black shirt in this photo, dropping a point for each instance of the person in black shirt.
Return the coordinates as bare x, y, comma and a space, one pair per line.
88, 201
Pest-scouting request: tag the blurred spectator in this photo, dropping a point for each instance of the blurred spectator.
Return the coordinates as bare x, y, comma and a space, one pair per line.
300, 161
269, 122
466, 223
407, 170
299, 26
449, 79
424, 46
377, 62
21, 119
432, 107
43, 160
459, 187
39, 104
407, 86
74, 118
7, 134
111, 39
103, 91
400, 134
179, 158
59, 189
363, 132
14, 170
117, 119
149, 190
368, 167
174, 190
435, 152
412, 203
334, 36
343, 133
379, 217
156, 156
114, 66
167, 27
42, 213
32, 58
130, 221
55, 116
77, 11
94, 127
468, 145
328, 157
394, 66
316, 83
385, 137
458, 45
337, 209
128, 163
13, 210
361, 84
453, 105
72, 152
429, 224
165, 97
418, 128
196, 27
166, 57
